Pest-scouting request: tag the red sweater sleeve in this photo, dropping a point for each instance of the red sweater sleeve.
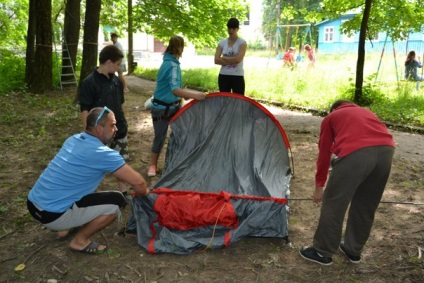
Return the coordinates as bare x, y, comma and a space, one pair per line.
325, 144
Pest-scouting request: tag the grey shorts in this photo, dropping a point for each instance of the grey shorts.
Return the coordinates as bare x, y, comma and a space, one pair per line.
85, 212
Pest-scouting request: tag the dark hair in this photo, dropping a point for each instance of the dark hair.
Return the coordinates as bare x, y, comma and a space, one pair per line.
338, 103
110, 52
114, 34
233, 23
410, 57
175, 46
94, 114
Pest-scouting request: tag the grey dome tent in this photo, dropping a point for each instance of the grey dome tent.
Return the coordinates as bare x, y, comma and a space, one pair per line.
227, 177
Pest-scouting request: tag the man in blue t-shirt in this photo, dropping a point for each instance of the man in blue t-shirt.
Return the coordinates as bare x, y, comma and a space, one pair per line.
65, 196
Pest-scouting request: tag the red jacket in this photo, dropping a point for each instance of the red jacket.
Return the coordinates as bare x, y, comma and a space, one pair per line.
288, 58
345, 130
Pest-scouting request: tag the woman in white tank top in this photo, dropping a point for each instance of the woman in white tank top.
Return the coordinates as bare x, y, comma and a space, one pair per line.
229, 54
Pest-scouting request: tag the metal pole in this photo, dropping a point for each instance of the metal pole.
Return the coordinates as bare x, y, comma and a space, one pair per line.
299, 25
277, 34
381, 58
422, 73
396, 66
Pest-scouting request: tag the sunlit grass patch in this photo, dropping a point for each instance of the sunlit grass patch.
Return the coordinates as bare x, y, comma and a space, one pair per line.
333, 77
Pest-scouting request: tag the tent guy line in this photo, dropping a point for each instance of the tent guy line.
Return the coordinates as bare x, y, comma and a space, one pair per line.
389, 202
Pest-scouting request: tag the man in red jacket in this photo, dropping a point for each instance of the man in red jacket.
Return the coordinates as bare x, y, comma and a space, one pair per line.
360, 150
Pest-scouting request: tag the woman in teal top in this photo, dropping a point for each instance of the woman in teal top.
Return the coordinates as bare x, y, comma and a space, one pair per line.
167, 97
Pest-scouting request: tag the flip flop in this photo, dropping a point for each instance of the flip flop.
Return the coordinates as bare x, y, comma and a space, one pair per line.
92, 248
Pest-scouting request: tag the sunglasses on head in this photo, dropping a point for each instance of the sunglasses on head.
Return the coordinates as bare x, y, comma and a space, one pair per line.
101, 115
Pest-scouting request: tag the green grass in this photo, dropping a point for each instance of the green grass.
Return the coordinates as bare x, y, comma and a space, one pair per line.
332, 78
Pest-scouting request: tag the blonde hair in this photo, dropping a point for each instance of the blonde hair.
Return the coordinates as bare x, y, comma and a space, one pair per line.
175, 46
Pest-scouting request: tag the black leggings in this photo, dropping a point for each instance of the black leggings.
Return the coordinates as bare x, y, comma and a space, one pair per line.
233, 84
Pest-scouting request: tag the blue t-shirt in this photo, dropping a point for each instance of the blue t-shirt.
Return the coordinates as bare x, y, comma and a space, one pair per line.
169, 78
75, 171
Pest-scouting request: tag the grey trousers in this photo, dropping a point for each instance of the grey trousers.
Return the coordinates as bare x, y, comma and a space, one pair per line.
357, 179
160, 127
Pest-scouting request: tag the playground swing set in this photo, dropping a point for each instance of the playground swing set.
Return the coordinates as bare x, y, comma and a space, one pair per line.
278, 39
397, 71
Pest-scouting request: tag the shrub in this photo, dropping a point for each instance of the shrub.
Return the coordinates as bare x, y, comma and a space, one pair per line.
12, 68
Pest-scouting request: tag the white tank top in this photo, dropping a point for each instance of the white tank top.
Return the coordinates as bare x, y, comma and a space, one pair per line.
232, 70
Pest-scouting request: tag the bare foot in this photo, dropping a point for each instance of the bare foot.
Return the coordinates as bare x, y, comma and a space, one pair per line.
62, 234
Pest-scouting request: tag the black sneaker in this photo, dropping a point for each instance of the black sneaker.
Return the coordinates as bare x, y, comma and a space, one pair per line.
352, 258
311, 254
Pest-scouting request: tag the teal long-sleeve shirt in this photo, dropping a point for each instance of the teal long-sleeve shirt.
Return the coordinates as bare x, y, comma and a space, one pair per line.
168, 79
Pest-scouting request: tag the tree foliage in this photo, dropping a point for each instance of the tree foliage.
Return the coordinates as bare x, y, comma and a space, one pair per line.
115, 14
200, 21
13, 23
290, 12
396, 17
269, 18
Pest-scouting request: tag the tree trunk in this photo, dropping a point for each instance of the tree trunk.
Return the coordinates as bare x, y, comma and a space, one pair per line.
71, 31
91, 34
30, 48
131, 64
361, 52
42, 76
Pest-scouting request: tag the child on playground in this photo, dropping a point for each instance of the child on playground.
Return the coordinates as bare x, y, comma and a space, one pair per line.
311, 55
411, 66
288, 57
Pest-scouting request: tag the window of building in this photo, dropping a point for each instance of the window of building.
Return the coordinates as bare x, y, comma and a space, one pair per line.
328, 34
